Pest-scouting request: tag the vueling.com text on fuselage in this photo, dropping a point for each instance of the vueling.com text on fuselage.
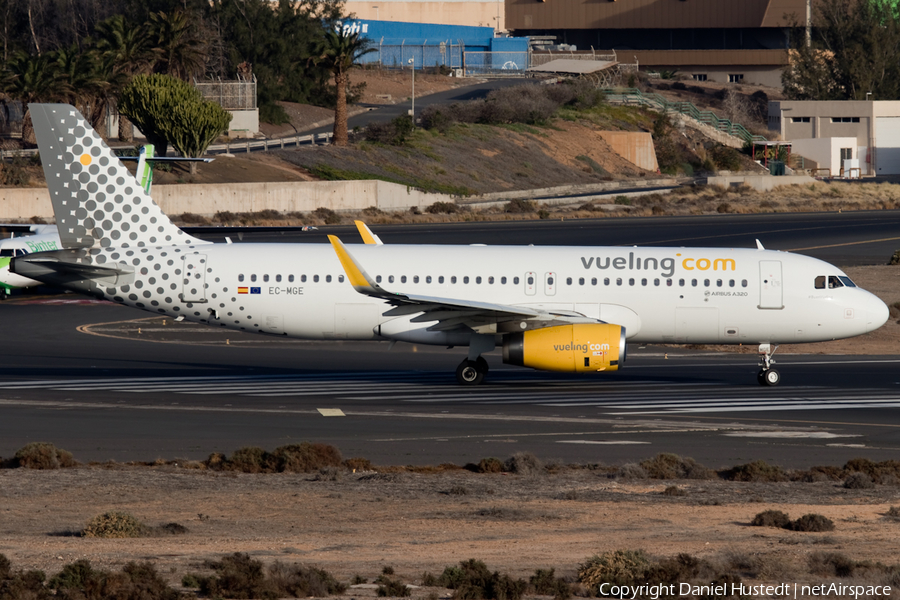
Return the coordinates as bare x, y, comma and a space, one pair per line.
666, 266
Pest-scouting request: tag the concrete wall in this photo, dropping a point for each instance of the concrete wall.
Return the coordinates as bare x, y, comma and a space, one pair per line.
826, 151
244, 123
635, 147
479, 14
762, 183
208, 199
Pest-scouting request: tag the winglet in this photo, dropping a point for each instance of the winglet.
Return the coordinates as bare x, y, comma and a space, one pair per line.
367, 235
759, 245
357, 276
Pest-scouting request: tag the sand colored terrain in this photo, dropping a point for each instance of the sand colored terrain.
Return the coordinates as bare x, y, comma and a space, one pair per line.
424, 522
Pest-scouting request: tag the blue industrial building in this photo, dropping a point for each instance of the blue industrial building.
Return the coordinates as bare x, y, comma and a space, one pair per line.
468, 48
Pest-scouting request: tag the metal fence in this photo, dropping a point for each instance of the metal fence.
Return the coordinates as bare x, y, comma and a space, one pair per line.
543, 57
231, 95
424, 55
495, 63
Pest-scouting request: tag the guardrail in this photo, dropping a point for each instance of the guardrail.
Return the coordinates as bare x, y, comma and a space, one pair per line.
249, 145
635, 97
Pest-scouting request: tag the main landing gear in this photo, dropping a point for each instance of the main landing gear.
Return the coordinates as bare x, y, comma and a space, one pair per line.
767, 375
472, 370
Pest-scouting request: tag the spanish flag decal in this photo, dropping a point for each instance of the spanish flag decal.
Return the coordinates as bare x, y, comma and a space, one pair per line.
243, 290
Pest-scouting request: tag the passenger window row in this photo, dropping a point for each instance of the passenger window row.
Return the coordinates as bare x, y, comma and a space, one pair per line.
290, 278
490, 280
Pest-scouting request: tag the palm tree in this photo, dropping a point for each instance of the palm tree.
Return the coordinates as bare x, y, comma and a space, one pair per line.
181, 53
339, 53
124, 52
34, 79
86, 84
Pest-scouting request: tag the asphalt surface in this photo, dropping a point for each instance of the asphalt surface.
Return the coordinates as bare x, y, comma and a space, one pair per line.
107, 382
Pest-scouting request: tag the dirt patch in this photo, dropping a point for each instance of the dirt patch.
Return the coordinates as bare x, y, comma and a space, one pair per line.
360, 524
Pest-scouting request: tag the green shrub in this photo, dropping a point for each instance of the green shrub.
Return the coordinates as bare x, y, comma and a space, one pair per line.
545, 583
191, 580
812, 523
300, 581
43, 455
618, 567
472, 580
114, 525
237, 576
429, 580
771, 518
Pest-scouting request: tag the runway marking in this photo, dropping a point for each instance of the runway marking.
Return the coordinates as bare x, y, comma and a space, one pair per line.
608, 397
890, 239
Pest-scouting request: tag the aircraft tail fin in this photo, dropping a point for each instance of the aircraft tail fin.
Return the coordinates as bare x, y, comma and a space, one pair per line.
97, 202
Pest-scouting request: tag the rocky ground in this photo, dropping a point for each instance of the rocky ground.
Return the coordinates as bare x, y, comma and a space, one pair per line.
362, 522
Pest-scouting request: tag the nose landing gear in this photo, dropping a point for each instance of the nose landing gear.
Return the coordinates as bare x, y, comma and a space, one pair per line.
767, 375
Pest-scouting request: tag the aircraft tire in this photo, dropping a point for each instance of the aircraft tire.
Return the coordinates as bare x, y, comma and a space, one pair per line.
468, 373
769, 377
482, 365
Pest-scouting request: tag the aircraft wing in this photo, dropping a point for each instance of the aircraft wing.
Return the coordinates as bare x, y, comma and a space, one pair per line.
450, 313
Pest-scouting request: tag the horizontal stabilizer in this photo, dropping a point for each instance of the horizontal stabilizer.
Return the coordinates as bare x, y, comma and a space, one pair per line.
51, 269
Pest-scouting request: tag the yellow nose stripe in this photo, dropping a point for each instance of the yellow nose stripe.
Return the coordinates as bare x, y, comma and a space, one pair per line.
85, 159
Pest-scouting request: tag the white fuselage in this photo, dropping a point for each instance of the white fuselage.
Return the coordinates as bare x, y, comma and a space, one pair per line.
677, 295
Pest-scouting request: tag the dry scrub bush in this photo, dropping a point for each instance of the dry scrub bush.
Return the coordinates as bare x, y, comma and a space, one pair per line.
758, 470
114, 525
293, 458
771, 518
674, 490
486, 465
523, 463
631, 471
43, 455
672, 466
388, 586
472, 580
859, 481
893, 512
812, 523
619, 567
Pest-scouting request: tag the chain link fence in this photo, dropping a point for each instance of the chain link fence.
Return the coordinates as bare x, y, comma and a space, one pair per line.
497, 64
447, 54
231, 95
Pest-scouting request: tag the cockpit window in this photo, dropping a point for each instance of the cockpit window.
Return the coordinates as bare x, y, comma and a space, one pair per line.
846, 281
7, 252
820, 282
834, 282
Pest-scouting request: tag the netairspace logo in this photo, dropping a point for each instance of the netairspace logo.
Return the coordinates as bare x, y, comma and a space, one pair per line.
783, 590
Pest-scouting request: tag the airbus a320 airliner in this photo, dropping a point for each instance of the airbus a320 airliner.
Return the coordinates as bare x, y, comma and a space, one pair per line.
569, 309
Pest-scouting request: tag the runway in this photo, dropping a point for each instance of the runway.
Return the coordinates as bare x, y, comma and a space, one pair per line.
110, 383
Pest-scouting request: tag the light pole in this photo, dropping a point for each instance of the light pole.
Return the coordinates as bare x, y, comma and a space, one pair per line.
412, 112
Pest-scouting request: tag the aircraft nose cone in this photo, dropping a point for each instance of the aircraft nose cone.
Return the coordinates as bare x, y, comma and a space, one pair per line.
877, 313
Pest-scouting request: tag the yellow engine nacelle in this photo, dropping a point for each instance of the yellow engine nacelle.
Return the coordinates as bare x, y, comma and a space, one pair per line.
567, 348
